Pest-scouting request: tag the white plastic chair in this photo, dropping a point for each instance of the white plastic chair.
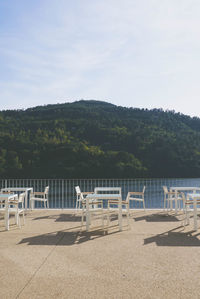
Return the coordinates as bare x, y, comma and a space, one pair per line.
136, 196
188, 206
93, 204
170, 197
80, 197
114, 203
41, 197
16, 207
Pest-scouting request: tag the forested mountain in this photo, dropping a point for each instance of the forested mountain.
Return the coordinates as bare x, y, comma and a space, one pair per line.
91, 139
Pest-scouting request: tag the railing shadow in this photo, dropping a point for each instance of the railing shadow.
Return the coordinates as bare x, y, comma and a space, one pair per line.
174, 238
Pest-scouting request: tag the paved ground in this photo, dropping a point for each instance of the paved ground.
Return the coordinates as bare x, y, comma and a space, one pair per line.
51, 258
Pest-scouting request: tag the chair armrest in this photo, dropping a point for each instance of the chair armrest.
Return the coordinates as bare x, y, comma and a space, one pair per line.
7, 192
37, 193
85, 193
136, 193
13, 201
173, 193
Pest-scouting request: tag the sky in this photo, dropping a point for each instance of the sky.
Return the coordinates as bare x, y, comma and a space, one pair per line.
133, 53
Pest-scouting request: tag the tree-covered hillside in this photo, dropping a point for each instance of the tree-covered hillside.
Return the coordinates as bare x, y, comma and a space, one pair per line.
90, 139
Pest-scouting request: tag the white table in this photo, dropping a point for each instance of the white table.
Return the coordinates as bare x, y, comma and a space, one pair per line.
20, 189
176, 189
6, 198
194, 197
102, 193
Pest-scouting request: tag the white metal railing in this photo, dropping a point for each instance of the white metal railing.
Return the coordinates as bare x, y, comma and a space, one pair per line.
62, 191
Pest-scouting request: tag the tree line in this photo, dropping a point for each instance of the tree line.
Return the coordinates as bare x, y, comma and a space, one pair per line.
92, 139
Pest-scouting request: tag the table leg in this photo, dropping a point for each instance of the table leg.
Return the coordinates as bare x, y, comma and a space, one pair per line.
195, 214
176, 206
120, 214
6, 215
87, 215
26, 199
187, 211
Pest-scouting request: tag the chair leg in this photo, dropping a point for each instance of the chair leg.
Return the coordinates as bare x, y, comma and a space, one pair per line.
23, 217
17, 218
168, 205
19, 221
171, 205
102, 214
23, 213
187, 215
143, 204
31, 205
82, 217
127, 212
90, 218
108, 214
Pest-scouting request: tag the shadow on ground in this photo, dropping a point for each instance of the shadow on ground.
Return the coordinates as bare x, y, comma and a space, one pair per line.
174, 238
161, 217
69, 217
67, 237
61, 218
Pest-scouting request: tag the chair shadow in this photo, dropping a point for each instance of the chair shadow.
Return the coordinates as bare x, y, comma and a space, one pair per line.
71, 217
61, 218
66, 237
174, 238
161, 217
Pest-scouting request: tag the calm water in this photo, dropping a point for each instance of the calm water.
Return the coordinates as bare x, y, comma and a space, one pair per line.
62, 192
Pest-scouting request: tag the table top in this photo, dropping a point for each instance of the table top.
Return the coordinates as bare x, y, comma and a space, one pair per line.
7, 196
17, 189
194, 195
185, 188
103, 196
104, 189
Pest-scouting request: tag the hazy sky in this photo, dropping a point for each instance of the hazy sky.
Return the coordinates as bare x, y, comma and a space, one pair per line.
139, 53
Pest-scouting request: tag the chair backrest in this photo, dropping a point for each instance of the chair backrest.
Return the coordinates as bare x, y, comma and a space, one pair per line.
182, 194
79, 193
143, 189
21, 197
129, 194
46, 191
165, 189
78, 190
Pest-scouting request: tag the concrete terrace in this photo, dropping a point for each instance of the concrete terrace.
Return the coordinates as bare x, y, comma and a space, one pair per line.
51, 258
